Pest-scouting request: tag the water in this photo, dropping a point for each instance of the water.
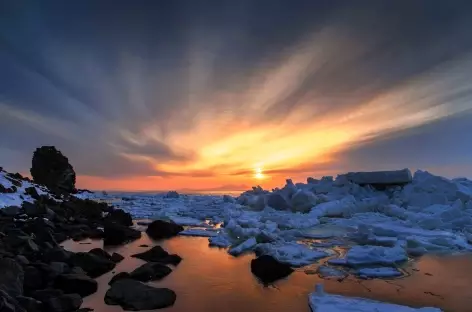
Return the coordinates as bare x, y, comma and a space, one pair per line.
208, 279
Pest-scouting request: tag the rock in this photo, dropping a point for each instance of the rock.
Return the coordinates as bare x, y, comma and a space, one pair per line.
33, 278
11, 277
88, 209
119, 216
150, 271
158, 254
121, 275
44, 294
116, 257
29, 304
22, 260
33, 210
92, 264
116, 234
9, 304
101, 253
159, 229
57, 254
380, 179
64, 303
31, 191
277, 201
58, 268
136, 296
11, 211
52, 169
77, 270
268, 270
76, 284
172, 194
303, 201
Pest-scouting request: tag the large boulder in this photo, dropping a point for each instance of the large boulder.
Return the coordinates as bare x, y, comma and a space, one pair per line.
119, 216
159, 229
9, 304
76, 284
135, 296
116, 234
150, 272
92, 264
158, 254
52, 169
268, 270
11, 277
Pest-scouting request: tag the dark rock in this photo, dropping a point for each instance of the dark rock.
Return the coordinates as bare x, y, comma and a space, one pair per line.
172, 194
159, 229
58, 268
64, 303
22, 260
11, 211
3, 189
29, 304
57, 254
31, 191
9, 304
119, 216
92, 264
11, 277
42, 230
33, 210
136, 296
85, 208
76, 284
95, 234
85, 310
116, 257
268, 270
52, 169
44, 294
116, 234
101, 253
77, 270
33, 278
144, 245
150, 272
121, 275
158, 254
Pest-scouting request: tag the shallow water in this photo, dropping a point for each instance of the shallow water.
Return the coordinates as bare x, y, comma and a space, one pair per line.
208, 279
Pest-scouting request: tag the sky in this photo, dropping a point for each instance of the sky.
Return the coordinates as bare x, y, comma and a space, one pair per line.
223, 95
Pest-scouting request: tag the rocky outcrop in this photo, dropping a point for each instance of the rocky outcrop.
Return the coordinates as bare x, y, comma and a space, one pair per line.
76, 284
119, 216
136, 296
159, 229
52, 169
158, 254
268, 270
92, 264
116, 234
150, 272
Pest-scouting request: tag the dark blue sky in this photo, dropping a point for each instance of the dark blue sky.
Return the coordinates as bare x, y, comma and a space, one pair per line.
195, 89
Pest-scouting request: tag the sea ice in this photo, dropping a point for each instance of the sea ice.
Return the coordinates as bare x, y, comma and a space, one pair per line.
375, 255
198, 232
248, 244
291, 253
320, 301
378, 272
329, 272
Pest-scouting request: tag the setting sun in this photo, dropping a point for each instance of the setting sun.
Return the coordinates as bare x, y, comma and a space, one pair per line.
258, 173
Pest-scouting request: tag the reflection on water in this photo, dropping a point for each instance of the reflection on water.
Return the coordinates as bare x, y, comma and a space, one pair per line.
208, 279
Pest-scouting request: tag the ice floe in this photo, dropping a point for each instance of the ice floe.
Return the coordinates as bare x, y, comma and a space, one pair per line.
379, 272
320, 301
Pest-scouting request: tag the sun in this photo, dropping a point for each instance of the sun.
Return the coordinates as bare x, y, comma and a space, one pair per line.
258, 173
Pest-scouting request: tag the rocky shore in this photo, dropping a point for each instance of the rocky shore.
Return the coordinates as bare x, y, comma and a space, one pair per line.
37, 274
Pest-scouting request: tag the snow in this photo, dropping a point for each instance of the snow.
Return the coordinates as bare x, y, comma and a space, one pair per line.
378, 272
19, 196
320, 301
375, 255
294, 254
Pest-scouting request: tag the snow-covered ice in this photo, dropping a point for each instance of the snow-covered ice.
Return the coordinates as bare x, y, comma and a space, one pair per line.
329, 272
292, 253
379, 272
375, 255
320, 301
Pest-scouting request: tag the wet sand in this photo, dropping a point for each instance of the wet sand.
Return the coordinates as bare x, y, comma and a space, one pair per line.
208, 279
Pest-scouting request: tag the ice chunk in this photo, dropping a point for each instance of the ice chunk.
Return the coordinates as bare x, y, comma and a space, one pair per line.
320, 301
397, 177
198, 232
329, 272
303, 201
291, 253
277, 201
375, 255
244, 246
221, 240
379, 272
